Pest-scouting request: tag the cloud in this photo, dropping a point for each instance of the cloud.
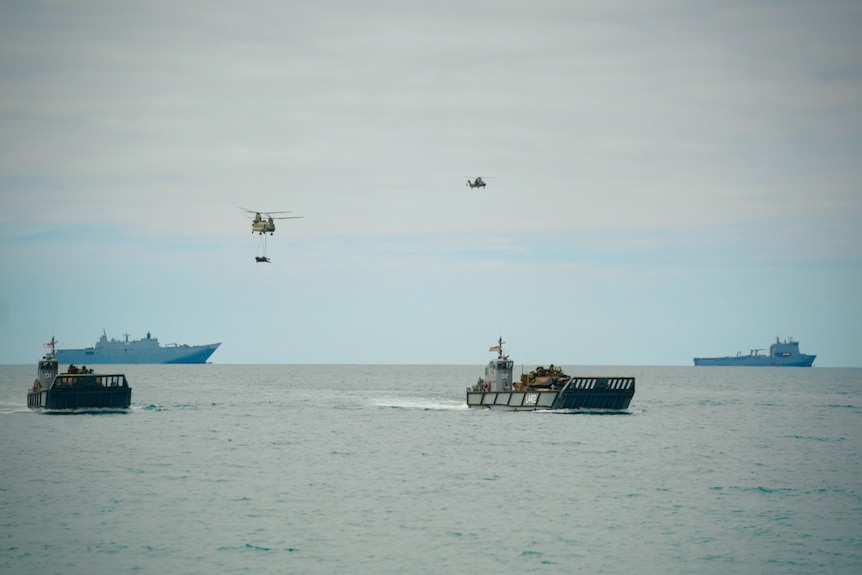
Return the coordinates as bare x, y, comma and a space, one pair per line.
624, 142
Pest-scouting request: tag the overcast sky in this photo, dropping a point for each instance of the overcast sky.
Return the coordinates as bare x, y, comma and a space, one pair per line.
672, 180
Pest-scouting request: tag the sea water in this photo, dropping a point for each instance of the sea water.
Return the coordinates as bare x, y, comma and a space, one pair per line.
382, 469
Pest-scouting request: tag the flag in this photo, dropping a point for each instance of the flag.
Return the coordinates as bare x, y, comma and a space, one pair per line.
495, 348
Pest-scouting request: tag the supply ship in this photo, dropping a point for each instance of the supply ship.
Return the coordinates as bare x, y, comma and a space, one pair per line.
546, 389
781, 353
77, 388
145, 350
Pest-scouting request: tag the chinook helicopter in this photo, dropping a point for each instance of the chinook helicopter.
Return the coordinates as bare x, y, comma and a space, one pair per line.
262, 226
477, 183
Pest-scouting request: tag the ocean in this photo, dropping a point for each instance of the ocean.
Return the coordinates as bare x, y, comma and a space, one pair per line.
376, 469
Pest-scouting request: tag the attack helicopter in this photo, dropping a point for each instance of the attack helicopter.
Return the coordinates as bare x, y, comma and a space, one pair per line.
477, 183
265, 226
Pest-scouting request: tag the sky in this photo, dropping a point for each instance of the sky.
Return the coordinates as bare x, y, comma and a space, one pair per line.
666, 179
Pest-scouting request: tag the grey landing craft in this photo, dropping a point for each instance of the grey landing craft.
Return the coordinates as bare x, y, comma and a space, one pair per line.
546, 389
77, 388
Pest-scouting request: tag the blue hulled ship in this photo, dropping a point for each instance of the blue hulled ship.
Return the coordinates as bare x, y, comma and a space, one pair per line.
146, 350
781, 354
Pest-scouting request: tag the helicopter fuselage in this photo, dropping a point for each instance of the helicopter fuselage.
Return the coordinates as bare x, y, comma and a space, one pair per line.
263, 226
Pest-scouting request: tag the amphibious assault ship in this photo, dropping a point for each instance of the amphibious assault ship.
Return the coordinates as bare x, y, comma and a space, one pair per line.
77, 388
145, 350
546, 389
781, 353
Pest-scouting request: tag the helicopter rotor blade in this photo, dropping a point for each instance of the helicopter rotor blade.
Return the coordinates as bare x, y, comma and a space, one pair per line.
262, 212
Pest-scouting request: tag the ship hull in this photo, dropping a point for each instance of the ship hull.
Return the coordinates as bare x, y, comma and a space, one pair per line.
178, 354
80, 391
106, 398
587, 393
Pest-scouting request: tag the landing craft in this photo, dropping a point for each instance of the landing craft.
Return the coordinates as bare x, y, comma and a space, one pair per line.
262, 227
546, 389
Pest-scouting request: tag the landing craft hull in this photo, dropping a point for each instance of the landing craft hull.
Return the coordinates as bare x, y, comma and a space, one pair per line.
103, 398
612, 393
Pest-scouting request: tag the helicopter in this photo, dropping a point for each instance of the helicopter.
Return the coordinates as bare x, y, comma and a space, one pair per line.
477, 183
262, 226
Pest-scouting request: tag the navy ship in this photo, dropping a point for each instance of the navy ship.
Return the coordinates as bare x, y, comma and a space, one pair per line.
77, 388
145, 350
546, 389
781, 353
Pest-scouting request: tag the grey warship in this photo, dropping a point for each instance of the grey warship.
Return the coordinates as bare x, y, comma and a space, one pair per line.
546, 389
77, 388
781, 354
145, 350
